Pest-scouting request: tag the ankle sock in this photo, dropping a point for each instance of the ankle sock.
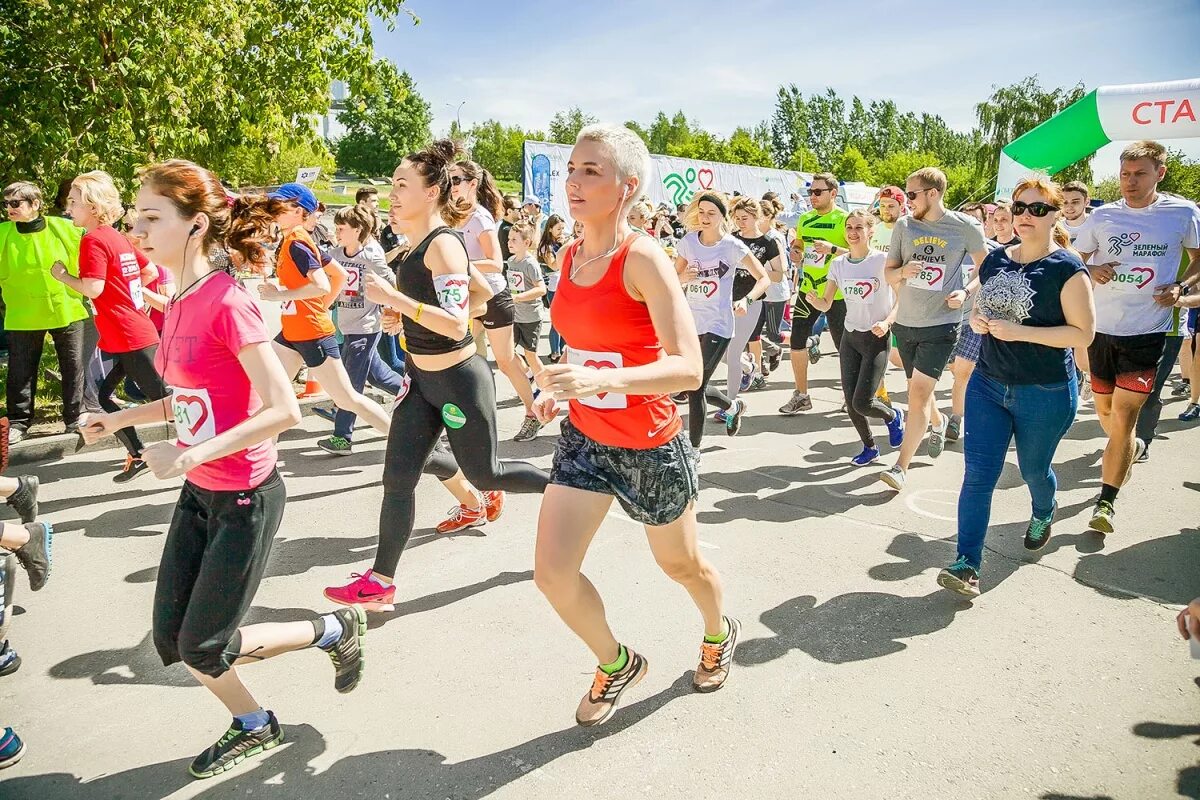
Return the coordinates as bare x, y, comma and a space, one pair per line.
718, 639
619, 664
1108, 493
331, 631
254, 720
379, 581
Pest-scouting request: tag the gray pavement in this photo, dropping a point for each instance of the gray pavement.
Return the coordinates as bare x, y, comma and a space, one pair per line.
857, 676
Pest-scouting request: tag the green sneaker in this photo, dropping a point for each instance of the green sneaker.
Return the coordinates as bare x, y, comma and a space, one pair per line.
235, 747
1102, 517
336, 445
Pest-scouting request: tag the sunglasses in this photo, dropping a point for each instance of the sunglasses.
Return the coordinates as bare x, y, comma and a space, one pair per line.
14, 203
457, 179
818, 192
913, 195
1039, 210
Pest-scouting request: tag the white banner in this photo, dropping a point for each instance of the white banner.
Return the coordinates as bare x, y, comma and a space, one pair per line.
307, 174
672, 180
1150, 110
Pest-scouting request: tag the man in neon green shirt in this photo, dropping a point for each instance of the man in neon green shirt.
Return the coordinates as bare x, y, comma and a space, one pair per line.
823, 233
37, 304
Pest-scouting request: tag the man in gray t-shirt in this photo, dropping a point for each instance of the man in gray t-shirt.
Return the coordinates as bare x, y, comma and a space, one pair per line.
925, 266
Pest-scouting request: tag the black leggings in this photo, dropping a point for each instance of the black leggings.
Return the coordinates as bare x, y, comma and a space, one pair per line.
864, 358
461, 399
712, 350
773, 314
139, 366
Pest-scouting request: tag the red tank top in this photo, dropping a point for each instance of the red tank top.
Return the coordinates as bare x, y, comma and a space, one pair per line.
606, 328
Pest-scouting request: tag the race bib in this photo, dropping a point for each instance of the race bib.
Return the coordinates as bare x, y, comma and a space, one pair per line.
194, 422
288, 308
859, 291
352, 296
1134, 279
453, 293
701, 291
932, 277
135, 293
812, 258
516, 281
599, 360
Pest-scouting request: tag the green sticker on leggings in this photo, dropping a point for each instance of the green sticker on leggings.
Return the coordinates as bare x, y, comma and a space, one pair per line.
453, 416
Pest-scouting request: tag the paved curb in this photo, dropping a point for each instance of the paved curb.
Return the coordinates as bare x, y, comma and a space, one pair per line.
47, 449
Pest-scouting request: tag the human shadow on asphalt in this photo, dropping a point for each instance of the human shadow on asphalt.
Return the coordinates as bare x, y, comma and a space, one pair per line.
796, 503
1162, 569
1187, 783
137, 520
287, 772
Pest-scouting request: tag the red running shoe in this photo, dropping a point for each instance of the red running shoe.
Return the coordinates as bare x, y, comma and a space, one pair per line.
462, 518
493, 502
362, 591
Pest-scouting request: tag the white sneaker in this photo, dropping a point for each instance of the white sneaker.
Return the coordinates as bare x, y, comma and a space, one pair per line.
893, 477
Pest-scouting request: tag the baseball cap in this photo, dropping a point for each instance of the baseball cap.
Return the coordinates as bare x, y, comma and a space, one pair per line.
299, 194
892, 193
532, 201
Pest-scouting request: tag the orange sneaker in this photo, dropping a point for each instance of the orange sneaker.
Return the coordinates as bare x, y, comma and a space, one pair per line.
462, 518
601, 701
493, 502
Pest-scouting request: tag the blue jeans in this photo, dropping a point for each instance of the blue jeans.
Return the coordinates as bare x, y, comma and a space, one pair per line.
390, 352
362, 363
556, 341
1038, 416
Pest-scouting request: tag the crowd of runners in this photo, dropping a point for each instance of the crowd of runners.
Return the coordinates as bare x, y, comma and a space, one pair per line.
1035, 304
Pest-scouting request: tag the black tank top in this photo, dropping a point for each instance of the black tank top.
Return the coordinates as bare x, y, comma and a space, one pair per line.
414, 279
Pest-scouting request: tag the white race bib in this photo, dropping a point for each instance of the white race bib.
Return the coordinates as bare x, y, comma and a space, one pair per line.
135, 293
599, 360
516, 281
354, 279
194, 422
288, 308
932, 277
701, 291
859, 291
453, 293
1134, 279
812, 258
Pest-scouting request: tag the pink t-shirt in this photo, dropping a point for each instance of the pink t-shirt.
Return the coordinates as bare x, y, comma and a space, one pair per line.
163, 284
202, 335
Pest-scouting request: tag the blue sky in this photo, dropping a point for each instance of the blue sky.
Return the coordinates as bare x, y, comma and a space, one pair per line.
722, 62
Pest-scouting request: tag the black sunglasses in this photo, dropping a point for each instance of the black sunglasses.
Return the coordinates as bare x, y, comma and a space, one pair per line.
457, 179
913, 195
14, 203
1039, 210
819, 192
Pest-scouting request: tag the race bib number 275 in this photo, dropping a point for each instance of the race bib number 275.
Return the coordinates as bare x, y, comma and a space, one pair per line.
453, 293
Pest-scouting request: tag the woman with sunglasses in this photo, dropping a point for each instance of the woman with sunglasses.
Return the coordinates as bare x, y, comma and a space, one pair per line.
478, 200
1035, 304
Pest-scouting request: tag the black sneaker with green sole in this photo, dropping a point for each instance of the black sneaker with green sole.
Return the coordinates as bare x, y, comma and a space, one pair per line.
236, 746
347, 652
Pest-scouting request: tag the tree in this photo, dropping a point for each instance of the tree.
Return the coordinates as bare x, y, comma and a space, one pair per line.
500, 149
895, 168
745, 148
120, 84
852, 165
1183, 176
1015, 110
384, 124
789, 125
803, 160
566, 125
250, 165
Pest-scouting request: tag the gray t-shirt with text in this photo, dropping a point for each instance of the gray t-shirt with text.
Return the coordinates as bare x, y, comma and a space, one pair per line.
944, 246
525, 274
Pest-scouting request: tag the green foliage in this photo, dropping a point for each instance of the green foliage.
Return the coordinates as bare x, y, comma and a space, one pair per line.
501, 148
566, 125
247, 165
852, 165
384, 123
1015, 110
1183, 176
114, 84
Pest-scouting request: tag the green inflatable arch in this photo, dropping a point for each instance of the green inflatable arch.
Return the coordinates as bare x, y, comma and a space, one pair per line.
1108, 114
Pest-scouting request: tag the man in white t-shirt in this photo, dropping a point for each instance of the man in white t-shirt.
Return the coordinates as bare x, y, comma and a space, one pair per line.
1133, 248
1076, 197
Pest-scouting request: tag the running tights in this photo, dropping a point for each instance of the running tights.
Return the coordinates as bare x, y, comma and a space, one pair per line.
712, 348
864, 358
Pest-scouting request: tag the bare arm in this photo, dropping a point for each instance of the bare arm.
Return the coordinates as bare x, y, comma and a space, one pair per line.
337, 279
761, 283
489, 242
824, 301
444, 256
88, 287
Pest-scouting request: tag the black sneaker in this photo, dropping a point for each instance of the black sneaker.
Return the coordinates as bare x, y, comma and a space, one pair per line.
1038, 532
10, 662
133, 467
235, 747
37, 554
960, 577
24, 500
347, 652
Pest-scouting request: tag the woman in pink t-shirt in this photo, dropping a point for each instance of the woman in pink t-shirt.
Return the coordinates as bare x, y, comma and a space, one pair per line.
230, 397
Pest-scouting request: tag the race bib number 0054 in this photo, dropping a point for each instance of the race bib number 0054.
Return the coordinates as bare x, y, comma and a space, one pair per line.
1133, 278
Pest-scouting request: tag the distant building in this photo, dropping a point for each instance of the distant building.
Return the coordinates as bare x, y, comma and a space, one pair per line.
329, 126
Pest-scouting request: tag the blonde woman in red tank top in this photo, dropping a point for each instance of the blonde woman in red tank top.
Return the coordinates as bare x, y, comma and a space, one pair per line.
630, 343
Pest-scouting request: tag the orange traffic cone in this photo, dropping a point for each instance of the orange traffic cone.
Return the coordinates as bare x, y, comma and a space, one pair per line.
312, 387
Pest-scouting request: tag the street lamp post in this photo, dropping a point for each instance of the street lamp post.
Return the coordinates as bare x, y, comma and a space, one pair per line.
457, 114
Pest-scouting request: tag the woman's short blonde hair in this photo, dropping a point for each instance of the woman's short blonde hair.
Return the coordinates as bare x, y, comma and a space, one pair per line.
96, 188
691, 217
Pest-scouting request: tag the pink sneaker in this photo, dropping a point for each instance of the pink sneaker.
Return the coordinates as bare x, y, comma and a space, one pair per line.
363, 591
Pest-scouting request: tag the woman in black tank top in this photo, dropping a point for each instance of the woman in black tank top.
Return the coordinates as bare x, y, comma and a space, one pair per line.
452, 387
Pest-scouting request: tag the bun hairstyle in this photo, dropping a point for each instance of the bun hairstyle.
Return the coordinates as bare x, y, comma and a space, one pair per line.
1053, 194
241, 224
745, 203
433, 165
771, 207
486, 193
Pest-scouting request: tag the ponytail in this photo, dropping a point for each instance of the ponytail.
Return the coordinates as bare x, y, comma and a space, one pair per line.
250, 220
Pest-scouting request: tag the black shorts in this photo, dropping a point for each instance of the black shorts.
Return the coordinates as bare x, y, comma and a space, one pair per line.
926, 350
527, 334
216, 550
1126, 362
802, 326
654, 486
314, 351
500, 311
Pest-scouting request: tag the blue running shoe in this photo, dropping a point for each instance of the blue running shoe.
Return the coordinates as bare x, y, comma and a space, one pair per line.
896, 428
869, 455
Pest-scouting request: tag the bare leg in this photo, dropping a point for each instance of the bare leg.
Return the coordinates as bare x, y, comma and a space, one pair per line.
677, 552
920, 409
799, 360
504, 351
1122, 416
13, 536
8, 486
265, 640
333, 377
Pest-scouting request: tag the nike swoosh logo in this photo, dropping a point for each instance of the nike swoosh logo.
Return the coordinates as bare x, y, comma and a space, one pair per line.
362, 596
659, 429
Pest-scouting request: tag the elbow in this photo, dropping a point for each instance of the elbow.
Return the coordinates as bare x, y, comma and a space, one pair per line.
693, 376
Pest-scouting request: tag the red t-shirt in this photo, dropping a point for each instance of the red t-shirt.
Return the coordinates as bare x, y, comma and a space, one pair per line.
202, 335
120, 316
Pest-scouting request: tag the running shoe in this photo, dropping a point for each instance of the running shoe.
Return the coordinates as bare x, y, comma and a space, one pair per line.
555, 357
896, 428
365, 592
328, 414
347, 652
133, 467
460, 518
598, 705
680, 397
37, 555
236, 746
774, 359
746, 380
758, 382
954, 428
1141, 451
1182, 389
716, 660
11, 748
15, 435
10, 662
893, 477
799, 402
529, 430
493, 504
337, 445
733, 419
1191, 413
937, 440
1085, 388
720, 417
814, 349
1038, 532
869, 455
960, 577
24, 500
1102, 517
